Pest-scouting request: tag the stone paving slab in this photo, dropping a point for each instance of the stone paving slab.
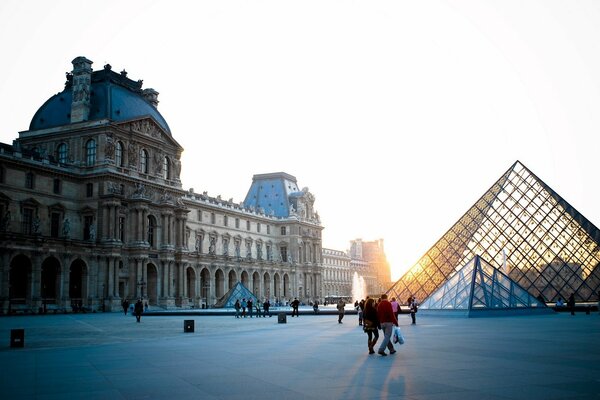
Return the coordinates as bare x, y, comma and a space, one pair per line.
110, 356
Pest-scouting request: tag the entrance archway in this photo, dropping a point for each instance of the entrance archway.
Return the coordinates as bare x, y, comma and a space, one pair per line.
19, 278
286, 286
245, 279
232, 279
204, 286
219, 283
77, 283
191, 283
266, 285
50, 289
277, 287
152, 276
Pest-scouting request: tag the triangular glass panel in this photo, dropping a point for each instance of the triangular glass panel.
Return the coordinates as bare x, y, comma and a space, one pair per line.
237, 292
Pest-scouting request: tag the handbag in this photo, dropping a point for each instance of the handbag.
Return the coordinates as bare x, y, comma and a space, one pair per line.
397, 336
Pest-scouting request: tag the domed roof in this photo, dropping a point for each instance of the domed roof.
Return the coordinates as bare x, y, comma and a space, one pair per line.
113, 96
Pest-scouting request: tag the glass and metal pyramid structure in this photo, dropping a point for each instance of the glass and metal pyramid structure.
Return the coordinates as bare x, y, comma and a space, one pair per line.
521, 224
478, 289
238, 291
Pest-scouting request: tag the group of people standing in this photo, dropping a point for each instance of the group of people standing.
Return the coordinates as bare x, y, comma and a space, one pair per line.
250, 306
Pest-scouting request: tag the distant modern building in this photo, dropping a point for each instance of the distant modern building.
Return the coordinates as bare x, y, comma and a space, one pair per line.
526, 230
92, 211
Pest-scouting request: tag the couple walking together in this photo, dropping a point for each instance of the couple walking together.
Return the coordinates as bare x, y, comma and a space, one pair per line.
380, 317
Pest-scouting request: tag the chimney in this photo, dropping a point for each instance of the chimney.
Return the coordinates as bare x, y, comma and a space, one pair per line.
151, 96
82, 86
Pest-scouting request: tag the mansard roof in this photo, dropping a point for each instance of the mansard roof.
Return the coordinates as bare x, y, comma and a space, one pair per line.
271, 193
113, 96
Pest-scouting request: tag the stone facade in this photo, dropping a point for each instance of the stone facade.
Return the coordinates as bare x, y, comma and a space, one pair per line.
92, 211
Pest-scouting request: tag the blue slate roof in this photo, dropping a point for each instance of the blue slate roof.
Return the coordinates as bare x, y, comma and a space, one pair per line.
113, 96
271, 193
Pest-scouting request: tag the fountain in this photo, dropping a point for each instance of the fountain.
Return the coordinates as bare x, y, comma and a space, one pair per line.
359, 288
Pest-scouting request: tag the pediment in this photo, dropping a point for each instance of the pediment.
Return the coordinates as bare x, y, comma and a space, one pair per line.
150, 128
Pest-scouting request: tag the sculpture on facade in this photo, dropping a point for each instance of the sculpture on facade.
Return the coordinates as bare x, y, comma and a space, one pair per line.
212, 248
92, 232
66, 228
36, 225
198, 242
5, 222
109, 148
225, 246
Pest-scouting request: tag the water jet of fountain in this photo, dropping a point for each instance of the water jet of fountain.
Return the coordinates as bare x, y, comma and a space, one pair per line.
359, 288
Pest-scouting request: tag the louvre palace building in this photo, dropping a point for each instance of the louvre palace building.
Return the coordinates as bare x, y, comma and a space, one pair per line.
92, 211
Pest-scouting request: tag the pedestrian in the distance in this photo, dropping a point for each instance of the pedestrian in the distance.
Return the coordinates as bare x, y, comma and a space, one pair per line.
295, 304
395, 307
237, 307
138, 309
244, 305
266, 307
414, 307
250, 311
125, 305
571, 303
340, 307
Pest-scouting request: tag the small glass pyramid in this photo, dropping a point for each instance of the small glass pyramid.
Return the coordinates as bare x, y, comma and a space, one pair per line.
237, 292
521, 224
479, 287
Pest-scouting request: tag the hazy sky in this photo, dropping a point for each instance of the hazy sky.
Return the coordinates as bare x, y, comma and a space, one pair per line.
397, 115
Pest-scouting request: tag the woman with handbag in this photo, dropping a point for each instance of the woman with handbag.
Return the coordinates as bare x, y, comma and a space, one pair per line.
371, 323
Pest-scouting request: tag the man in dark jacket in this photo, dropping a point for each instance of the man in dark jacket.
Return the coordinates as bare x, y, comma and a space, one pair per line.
388, 320
138, 309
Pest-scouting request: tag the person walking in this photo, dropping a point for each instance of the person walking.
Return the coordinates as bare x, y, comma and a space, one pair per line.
138, 309
413, 309
395, 307
295, 305
361, 309
244, 305
340, 307
266, 307
250, 307
571, 303
387, 320
237, 307
125, 305
371, 324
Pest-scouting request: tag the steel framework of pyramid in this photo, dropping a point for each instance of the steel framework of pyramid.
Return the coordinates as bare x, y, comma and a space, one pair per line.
521, 224
237, 292
478, 289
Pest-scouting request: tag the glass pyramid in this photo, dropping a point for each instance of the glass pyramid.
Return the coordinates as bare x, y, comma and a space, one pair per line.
238, 291
521, 224
480, 289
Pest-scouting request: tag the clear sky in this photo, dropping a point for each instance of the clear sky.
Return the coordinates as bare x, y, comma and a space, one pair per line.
397, 115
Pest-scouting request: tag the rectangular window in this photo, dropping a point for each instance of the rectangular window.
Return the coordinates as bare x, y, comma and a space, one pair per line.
247, 225
225, 220
54, 224
199, 215
29, 180
88, 220
213, 218
122, 229
283, 230
27, 221
268, 229
237, 223
258, 227
89, 189
283, 251
56, 186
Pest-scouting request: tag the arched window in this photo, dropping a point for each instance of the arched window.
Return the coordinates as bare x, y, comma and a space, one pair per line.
143, 161
119, 154
61, 153
90, 153
151, 230
166, 168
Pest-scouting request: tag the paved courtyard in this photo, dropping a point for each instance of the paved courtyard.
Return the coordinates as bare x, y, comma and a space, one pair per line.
110, 356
